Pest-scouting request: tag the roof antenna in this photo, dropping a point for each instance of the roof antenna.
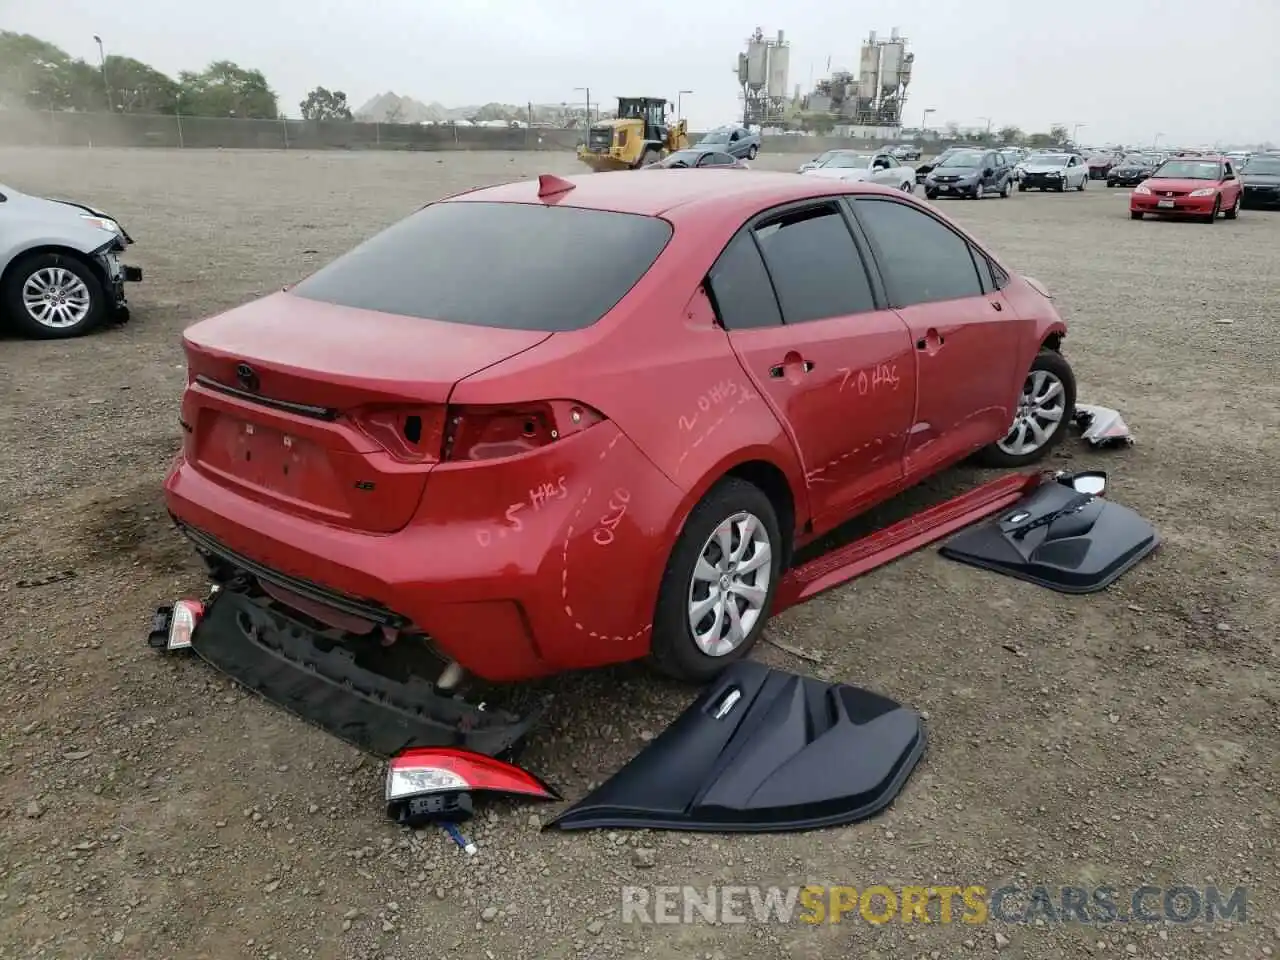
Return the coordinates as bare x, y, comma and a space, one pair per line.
549, 185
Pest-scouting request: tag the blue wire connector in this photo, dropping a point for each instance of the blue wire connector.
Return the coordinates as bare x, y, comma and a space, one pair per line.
456, 836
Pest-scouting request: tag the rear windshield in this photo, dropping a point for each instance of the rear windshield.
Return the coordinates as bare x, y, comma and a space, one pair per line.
513, 265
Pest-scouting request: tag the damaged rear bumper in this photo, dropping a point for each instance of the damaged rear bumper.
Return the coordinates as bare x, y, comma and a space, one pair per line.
319, 676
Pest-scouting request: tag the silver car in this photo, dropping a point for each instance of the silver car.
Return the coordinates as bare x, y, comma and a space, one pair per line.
60, 268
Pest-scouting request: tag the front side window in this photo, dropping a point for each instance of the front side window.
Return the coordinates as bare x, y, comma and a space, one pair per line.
922, 260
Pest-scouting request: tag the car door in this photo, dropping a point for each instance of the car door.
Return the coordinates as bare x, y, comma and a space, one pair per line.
808, 321
991, 178
1230, 185
1077, 171
881, 169
965, 335
736, 143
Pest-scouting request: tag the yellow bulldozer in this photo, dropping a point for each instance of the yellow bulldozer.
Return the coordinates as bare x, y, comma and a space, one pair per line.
638, 136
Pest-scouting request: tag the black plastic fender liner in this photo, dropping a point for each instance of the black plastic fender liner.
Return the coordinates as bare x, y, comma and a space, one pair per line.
278, 658
1089, 544
762, 751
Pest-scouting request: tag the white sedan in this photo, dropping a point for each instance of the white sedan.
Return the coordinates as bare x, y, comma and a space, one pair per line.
1054, 171
881, 168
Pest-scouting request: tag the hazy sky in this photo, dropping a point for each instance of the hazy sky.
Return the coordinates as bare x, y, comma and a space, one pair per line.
1196, 71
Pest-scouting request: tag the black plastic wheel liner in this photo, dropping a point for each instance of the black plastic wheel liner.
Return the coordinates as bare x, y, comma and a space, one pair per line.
1084, 549
278, 657
762, 751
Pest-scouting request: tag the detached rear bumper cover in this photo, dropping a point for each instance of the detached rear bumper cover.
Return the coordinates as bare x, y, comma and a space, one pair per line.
279, 658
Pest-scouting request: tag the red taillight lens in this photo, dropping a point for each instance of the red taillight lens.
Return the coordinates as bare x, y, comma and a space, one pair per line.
410, 435
491, 432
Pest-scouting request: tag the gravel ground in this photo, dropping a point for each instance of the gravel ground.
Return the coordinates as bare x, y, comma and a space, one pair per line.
148, 809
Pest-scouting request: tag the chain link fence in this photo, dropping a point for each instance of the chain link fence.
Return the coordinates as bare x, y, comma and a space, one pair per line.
22, 128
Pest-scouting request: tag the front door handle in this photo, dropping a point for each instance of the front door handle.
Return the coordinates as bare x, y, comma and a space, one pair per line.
997, 305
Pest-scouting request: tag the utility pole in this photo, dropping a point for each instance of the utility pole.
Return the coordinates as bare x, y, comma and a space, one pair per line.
680, 103
102, 59
924, 119
587, 92
1075, 131
988, 119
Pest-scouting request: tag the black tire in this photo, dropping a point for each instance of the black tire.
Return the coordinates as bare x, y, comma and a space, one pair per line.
1135, 214
752, 152
673, 650
1083, 183
931, 194
1234, 212
1022, 187
15, 311
1007, 190
1055, 363
1112, 183
1212, 218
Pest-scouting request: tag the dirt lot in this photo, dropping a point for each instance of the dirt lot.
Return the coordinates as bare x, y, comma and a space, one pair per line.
147, 809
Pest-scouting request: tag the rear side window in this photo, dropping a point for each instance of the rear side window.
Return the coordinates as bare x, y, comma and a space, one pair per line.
740, 287
815, 265
513, 265
922, 260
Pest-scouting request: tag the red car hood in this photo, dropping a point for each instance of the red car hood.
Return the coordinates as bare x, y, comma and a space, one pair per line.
1161, 184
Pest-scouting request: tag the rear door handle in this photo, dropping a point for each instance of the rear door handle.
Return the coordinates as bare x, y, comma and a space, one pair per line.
778, 371
934, 337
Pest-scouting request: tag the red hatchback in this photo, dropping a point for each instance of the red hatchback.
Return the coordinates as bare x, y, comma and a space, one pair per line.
1201, 187
563, 423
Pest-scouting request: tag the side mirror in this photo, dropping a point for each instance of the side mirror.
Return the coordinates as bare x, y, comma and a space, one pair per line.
987, 173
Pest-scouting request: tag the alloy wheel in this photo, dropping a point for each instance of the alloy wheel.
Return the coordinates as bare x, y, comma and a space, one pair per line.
56, 298
730, 584
1040, 411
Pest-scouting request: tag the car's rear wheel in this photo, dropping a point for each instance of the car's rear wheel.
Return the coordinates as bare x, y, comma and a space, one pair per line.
1234, 212
1045, 407
1007, 189
53, 296
752, 151
1084, 182
719, 583
1135, 214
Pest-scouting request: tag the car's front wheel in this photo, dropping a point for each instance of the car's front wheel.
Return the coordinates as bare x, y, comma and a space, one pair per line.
1234, 212
1045, 407
719, 583
53, 296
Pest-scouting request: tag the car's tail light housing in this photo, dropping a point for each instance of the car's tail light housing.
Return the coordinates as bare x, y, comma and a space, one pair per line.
491, 432
408, 434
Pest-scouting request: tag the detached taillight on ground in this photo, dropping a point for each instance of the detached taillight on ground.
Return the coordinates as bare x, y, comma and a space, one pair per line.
435, 784
172, 626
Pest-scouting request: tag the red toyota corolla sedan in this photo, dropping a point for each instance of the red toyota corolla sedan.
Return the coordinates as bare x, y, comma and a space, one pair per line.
1201, 187
564, 423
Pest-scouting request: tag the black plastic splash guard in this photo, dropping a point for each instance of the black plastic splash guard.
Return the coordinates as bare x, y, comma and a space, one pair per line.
279, 658
762, 751
1058, 538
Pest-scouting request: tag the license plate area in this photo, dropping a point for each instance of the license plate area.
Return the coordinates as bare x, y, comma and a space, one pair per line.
265, 457
1165, 204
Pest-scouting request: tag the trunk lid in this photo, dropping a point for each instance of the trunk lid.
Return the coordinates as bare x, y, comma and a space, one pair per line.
328, 412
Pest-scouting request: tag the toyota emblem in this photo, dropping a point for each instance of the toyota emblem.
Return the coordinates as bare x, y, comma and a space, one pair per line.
248, 379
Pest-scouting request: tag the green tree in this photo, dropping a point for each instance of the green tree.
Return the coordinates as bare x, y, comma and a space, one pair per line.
136, 87
322, 104
1058, 133
226, 89
39, 75
1011, 135
1039, 141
